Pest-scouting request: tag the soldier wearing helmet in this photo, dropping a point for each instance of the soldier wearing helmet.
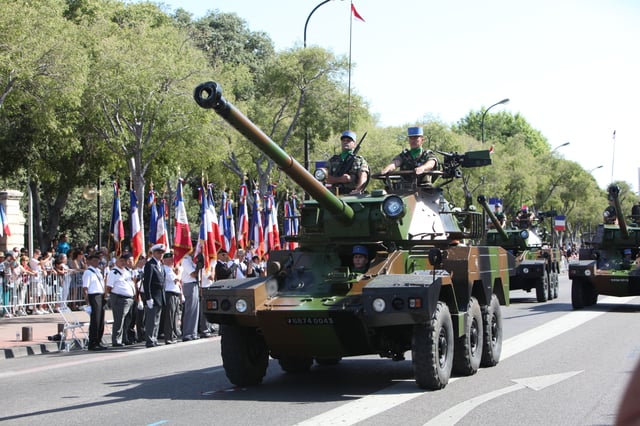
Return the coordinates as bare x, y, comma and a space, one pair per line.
353, 180
415, 158
360, 259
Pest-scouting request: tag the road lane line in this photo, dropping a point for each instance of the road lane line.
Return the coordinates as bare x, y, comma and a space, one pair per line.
394, 395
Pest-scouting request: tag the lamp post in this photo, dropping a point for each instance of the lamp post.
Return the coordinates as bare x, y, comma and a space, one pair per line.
560, 146
504, 101
304, 43
595, 168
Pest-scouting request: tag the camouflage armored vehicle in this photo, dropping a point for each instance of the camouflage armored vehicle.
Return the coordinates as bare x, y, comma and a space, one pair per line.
418, 292
537, 260
606, 262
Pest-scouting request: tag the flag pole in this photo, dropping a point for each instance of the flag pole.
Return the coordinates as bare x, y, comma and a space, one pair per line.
613, 156
349, 85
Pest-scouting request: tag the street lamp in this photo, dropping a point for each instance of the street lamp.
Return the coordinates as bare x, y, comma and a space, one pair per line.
595, 168
560, 146
304, 41
504, 101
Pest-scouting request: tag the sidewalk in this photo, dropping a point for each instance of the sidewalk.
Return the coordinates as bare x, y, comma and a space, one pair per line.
42, 326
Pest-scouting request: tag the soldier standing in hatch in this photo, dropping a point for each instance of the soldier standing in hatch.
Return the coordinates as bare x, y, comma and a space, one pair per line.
354, 180
415, 158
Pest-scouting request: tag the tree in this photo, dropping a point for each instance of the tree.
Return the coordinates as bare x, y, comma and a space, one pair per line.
141, 106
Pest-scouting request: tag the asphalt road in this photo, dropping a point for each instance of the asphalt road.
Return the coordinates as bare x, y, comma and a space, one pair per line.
558, 367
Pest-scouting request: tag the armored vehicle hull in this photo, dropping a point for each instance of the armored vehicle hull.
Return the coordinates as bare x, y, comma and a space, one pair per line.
419, 292
537, 264
607, 262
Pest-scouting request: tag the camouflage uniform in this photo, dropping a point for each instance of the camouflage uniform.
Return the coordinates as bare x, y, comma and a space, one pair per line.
359, 165
408, 162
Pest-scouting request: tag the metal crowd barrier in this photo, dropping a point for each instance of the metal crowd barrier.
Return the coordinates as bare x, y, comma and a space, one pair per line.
46, 292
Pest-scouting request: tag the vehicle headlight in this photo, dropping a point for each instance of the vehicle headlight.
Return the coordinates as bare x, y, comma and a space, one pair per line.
587, 272
393, 207
320, 174
524, 234
241, 305
378, 304
525, 270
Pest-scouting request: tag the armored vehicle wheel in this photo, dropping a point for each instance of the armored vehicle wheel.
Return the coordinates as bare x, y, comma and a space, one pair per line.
432, 350
328, 361
492, 327
295, 364
582, 294
556, 285
549, 285
245, 355
468, 348
542, 288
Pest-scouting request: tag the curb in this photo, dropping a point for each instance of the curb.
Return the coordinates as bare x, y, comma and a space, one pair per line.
37, 349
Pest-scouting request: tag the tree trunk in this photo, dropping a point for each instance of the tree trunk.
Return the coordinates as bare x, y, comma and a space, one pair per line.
43, 243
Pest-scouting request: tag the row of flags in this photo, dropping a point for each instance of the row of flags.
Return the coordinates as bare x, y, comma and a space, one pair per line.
259, 231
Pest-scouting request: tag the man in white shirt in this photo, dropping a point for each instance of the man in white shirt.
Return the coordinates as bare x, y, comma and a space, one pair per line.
121, 289
94, 294
172, 296
190, 272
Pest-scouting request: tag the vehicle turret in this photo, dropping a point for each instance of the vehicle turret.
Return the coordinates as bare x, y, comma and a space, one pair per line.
614, 194
483, 202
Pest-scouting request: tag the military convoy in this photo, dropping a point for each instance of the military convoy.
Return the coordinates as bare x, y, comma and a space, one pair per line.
537, 260
606, 260
422, 291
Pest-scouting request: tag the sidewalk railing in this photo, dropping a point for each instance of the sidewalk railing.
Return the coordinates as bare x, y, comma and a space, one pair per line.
45, 292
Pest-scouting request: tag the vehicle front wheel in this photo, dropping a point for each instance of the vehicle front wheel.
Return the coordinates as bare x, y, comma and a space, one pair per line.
432, 350
542, 288
245, 355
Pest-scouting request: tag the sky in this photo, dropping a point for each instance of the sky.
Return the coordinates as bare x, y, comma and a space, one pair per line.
571, 68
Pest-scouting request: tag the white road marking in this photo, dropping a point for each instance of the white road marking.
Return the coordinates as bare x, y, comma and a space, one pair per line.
454, 414
394, 395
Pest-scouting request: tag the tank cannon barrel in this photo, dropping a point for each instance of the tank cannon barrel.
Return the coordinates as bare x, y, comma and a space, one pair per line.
614, 194
483, 202
209, 95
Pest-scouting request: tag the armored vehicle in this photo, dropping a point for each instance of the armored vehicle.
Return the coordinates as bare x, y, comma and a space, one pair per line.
418, 293
537, 260
607, 261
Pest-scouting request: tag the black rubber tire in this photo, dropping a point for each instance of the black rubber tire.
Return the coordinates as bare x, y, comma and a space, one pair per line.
542, 288
328, 361
549, 285
467, 352
492, 327
295, 364
245, 355
581, 293
556, 284
432, 350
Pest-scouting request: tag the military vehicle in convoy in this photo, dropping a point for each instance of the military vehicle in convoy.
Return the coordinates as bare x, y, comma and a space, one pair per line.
606, 260
419, 293
536, 256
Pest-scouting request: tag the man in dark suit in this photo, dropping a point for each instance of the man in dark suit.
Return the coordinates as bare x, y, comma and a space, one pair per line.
153, 283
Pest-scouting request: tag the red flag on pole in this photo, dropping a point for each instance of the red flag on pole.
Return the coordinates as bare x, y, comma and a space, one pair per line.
356, 14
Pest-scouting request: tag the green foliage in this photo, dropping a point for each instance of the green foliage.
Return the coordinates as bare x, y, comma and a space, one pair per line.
102, 89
